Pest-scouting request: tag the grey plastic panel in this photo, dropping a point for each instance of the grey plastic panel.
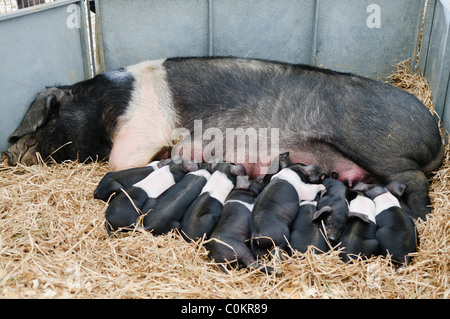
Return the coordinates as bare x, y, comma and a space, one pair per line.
350, 40
333, 34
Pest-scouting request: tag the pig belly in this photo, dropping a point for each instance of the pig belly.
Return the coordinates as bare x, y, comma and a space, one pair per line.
348, 171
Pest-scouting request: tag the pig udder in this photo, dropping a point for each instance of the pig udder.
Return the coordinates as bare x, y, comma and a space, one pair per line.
348, 171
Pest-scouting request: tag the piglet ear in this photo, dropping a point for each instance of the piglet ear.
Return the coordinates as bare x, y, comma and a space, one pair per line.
350, 195
284, 160
334, 174
313, 172
165, 162
259, 179
242, 182
212, 166
38, 112
396, 188
238, 170
363, 217
323, 210
190, 166
362, 187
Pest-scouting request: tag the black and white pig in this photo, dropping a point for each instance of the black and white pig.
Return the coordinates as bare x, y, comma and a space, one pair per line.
332, 208
324, 117
229, 241
126, 208
358, 237
396, 232
204, 213
167, 211
283, 162
278, 204
112, 182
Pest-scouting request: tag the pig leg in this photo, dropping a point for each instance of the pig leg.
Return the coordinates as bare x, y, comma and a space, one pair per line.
416, 192
247, 259
259, 265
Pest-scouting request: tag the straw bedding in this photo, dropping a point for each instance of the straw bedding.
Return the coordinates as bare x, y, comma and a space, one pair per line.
53, 244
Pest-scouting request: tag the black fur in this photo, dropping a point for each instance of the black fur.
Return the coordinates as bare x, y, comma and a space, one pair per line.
306, 231
334, 203
166, 214
124, 210
230, 239
396, 235
112, 182
83, 115
204, 213
358, 238
354, 114
273, 214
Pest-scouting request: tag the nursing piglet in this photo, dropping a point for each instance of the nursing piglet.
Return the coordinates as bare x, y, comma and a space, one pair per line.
396, 233
358, 237
112, 182
332, 207
278, 204
166, 212
125, 209
283, 162
204, 213
229, 241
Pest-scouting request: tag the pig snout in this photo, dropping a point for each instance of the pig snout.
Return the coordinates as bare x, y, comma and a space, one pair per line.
24, 151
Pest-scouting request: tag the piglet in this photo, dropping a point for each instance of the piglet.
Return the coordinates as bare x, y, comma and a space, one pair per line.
283, 162
229, 241
332, 208
203, 214
396, 232
166, 212
306, 230
124, 210
112, 182
358, 237
278, 204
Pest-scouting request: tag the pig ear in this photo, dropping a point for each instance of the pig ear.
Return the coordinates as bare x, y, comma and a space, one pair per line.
284, 160
212, 166
38, 113
362, 187
363, 217
238, 170
313, 172
283, 164
190, 167
164, 162
396, 188
334, 174
350, 195
323, 210
242, 182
